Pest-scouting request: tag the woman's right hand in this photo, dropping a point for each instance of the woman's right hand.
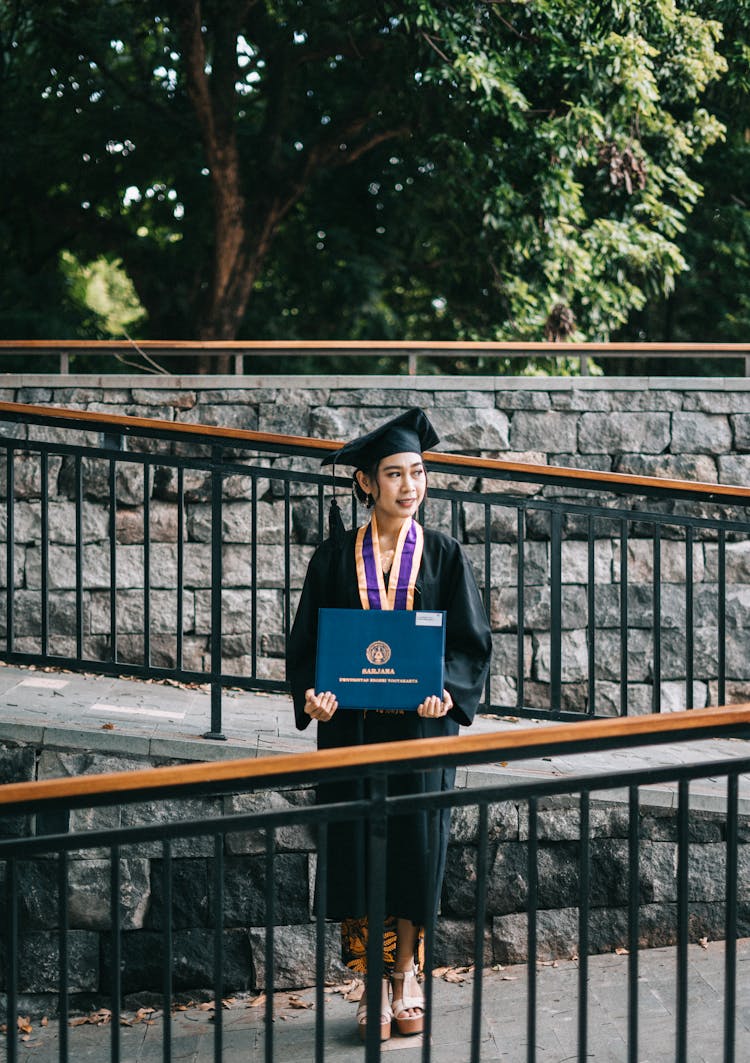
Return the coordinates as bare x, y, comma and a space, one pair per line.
320, 707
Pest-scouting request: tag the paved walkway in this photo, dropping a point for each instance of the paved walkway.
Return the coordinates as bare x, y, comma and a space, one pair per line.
156, 719
503, 1032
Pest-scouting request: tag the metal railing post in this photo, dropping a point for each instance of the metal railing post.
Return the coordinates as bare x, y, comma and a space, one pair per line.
216, 594
377, 843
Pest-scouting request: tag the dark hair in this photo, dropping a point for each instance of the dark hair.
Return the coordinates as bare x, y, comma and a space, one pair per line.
372, 476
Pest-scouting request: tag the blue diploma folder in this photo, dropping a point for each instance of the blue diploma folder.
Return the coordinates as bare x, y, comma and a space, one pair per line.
380, 658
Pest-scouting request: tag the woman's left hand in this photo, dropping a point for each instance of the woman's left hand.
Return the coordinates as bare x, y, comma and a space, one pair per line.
433, 707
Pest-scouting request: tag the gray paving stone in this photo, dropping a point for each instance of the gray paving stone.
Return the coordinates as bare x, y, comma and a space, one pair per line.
503, 1031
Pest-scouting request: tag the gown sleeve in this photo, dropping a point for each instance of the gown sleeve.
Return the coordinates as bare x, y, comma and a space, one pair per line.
303, 638
468, 640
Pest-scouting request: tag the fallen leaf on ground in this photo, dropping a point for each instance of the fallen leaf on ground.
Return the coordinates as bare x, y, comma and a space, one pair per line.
456, 975
621, 951
356, 992
257, 1002
548, 963
297, 1002
209, 1005
24, 1024
94, 1018
44, 1022
703, 942
108, 727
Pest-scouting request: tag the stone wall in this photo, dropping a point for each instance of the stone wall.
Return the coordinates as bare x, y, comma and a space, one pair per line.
143, 915
697, 429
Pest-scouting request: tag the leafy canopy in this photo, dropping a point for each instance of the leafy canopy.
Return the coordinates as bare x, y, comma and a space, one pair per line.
278, 168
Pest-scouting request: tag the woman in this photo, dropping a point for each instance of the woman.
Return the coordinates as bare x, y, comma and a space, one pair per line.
390, 562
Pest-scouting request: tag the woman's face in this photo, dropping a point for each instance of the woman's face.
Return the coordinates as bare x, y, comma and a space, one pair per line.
399, 485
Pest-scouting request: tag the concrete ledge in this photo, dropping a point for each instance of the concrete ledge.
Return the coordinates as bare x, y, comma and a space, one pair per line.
401, 383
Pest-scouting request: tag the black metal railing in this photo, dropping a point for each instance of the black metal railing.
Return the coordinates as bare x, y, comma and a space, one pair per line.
57, 851
169, 550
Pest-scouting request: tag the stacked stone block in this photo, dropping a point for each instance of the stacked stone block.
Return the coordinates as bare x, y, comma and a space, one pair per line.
624, 426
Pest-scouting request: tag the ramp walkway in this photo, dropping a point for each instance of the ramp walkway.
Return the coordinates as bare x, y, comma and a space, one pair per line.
130, 717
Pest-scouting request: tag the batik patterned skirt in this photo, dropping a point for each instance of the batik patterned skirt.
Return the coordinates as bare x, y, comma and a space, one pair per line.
354, 938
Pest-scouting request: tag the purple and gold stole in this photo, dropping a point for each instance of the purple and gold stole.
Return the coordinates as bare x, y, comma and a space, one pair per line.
404, 569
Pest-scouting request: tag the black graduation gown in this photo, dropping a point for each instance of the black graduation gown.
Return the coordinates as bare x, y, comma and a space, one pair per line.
445, 581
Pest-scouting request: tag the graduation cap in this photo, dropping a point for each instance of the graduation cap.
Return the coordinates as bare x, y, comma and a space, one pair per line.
409, 433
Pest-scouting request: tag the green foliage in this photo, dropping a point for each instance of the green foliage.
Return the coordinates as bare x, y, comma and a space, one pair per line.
436, 171
711, 302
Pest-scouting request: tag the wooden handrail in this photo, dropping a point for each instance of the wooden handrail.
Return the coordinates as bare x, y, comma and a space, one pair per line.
673, 726
578, 478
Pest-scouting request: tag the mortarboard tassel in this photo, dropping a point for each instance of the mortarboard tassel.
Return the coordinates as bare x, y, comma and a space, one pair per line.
336, 529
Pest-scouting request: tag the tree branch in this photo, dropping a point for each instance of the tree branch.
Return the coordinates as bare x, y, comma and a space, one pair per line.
434, 47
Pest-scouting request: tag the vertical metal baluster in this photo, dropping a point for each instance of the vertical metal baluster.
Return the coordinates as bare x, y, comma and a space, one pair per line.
11, 892
219, 945
63, 927
683, 810
376, 858
722, 610
584, 880
433, 834
555, 608
521, 606
43, 460
112, 557
146, 565
287, 562
480, 919
656, 694
633, 920
270, 920
79, 555
321, 513
216, 593
532, 874
730, 936
180, 564
689, 619
623, 617
10, 536
321, 903
168, 949
115, 920
487, 557
488, 590
254, 570
591, 625
454, 518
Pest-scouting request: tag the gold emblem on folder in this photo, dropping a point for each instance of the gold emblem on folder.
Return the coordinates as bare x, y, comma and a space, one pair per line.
378, 653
